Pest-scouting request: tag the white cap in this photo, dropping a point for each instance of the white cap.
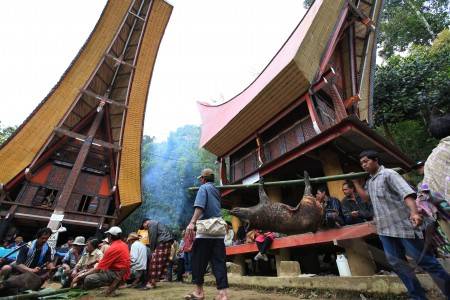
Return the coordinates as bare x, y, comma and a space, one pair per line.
114, 230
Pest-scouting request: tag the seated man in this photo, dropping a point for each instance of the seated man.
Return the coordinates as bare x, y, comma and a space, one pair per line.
91, 256
332, 212
113, 268
355, 210
70, 260
33, 258
138, 256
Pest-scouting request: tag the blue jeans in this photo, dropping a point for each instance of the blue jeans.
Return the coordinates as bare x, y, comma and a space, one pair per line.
187, 262
395, 250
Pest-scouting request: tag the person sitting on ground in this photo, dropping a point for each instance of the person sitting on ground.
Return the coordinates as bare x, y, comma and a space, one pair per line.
18, 241
229, 236
138, 256
104, 245
160, 243
355, 210
332, 211
263, 241
113, 268
68, 244
70, 260
34, 258
91, 256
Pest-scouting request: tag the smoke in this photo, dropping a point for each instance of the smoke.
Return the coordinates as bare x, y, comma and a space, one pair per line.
168, 169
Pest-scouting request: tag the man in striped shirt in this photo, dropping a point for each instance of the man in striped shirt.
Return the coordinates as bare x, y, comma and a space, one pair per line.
397, 222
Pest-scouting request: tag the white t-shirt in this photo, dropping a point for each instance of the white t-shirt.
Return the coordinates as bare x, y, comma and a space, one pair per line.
138, 256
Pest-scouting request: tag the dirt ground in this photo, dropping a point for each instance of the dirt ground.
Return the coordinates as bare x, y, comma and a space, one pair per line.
178, 290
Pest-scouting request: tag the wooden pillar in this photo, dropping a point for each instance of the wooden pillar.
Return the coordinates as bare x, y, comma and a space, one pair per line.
359, 258
274, 194
332, 166
240, 260
223, 171
283, 254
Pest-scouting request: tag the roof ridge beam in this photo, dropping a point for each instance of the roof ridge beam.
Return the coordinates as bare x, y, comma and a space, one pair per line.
82, 137
103, 99
120, 61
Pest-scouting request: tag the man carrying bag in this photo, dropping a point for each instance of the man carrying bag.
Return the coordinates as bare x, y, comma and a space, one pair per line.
209, 238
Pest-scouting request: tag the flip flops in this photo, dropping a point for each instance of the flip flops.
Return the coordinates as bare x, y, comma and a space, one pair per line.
192, 296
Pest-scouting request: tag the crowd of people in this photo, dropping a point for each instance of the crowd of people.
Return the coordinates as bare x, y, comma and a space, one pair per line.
403, 215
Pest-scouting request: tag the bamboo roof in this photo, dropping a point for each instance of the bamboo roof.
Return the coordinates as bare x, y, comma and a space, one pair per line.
90, 66
288, 75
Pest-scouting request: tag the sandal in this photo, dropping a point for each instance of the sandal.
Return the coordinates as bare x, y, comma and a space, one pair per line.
192, 296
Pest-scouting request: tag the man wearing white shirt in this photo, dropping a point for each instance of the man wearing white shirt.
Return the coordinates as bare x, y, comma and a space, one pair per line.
138, 257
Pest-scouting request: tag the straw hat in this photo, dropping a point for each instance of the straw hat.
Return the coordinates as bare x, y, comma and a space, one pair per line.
79, 241
206, 173
133, 236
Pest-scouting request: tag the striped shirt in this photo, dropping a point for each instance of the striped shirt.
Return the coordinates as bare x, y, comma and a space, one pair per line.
387, 191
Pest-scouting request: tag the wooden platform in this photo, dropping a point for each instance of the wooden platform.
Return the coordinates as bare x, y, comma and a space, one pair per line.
325, 236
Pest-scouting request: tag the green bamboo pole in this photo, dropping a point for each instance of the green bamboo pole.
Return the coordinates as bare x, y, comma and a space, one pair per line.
35, 295
347, 176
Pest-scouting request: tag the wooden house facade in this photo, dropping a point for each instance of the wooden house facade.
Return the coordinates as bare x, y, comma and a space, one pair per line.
76, 158
309, 109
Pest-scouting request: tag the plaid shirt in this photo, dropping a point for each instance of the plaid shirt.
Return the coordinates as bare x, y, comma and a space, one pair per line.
387, 191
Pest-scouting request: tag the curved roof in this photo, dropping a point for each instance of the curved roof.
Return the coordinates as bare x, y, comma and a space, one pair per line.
296, 61
18, 152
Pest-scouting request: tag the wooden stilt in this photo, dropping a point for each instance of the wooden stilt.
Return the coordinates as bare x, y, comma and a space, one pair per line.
331, 166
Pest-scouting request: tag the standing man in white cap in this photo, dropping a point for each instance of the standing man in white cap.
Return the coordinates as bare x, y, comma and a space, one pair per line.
113, 268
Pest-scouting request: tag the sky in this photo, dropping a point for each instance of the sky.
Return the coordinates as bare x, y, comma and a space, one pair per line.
211, 51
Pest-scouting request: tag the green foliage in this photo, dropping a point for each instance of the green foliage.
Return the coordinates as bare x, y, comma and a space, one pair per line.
226, 215
168, 169
407, 88
307, 3
412, 138
5, 132
407, 22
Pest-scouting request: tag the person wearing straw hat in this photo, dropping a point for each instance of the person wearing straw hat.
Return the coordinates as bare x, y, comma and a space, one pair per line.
70, 260
138, 256
91, 256
113, 268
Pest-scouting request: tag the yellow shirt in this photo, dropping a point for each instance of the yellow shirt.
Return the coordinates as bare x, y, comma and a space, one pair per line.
144, 236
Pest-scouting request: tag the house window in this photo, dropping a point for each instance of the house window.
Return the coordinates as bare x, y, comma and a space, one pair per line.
88, 204
45, 197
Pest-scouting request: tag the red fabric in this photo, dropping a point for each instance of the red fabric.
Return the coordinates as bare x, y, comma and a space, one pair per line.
260, 237
116, 258
189, 238
159, 261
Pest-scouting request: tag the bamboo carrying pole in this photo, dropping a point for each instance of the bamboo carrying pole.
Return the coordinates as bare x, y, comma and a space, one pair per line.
347, 176
35, 295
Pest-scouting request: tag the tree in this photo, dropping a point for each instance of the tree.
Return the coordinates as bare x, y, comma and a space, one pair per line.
407, 22
5, 132
407, 88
